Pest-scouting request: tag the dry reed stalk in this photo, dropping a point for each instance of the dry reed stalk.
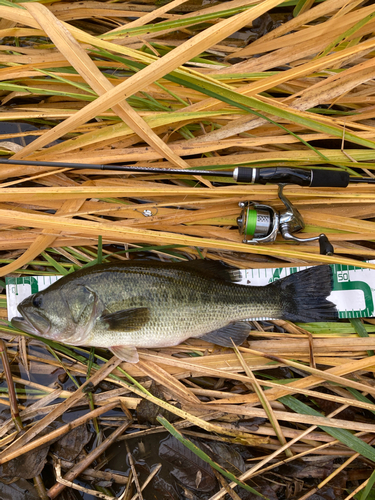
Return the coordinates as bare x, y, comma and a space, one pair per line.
63, 483
83, 64
121, 233
172, 385
12, 395
134, 471
264, 402
291, 417
334, 374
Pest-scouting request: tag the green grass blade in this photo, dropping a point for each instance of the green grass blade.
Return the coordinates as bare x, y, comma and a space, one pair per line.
89, 394
348, 33
7, 3
174, 25
60, 269
361, 330
368, 487
81, 86
12, 87
52, 351
100, 250
298, 7
250, 103
358, 395
342, 435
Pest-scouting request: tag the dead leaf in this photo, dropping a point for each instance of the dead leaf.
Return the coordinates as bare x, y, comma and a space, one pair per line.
226, 456
71, 445
148, 411
188, 467
25, 466
20, 490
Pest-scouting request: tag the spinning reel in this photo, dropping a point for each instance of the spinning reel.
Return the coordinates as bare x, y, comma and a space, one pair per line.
259, 224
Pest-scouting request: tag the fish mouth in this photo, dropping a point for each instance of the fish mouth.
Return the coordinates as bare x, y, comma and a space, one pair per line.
31, 323
22, 324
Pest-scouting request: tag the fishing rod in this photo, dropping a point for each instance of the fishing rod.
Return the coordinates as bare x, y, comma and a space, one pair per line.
249, 175
258, 223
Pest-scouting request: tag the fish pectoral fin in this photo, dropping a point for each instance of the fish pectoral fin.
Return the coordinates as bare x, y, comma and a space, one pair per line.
126, 320
238, 332
126, 353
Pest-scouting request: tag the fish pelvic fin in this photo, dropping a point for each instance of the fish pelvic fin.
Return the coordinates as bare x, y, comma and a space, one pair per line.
238, 332
126, 353
303, 295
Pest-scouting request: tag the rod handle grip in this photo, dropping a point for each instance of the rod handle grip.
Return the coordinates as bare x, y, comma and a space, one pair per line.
329, 178
285, 175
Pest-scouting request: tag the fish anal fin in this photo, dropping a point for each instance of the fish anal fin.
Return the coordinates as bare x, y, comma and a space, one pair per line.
126, 320
126, 353
238, 332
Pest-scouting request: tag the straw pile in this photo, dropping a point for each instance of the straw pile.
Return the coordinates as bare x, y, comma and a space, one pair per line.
214, 86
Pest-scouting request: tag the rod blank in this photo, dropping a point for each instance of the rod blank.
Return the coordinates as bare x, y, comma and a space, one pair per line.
121, 168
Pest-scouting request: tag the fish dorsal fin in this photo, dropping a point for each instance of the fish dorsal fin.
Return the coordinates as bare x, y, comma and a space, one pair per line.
213, 269
126, 353
238, 332
126, 320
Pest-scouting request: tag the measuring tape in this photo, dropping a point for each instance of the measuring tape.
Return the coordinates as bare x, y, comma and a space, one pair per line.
353, 288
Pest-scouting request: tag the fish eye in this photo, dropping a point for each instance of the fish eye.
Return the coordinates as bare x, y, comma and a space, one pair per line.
37, 301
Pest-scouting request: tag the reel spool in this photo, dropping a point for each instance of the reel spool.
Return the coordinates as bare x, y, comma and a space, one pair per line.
258, 223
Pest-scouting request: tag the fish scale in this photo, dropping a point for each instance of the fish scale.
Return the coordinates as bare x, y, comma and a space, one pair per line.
156, 304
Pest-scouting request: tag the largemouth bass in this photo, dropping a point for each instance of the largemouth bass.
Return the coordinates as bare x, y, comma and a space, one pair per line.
155, 304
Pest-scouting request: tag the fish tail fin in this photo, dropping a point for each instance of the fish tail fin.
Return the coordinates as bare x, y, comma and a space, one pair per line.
303, 295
